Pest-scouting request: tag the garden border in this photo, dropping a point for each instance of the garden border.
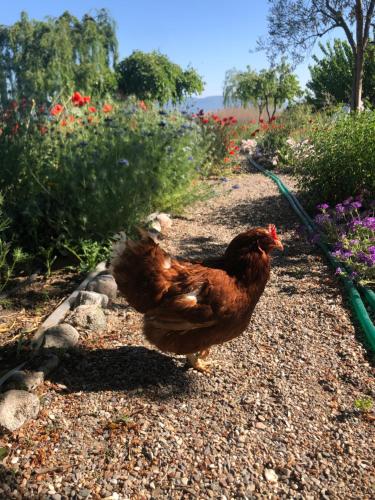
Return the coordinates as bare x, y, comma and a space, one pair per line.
53, 319
354, 296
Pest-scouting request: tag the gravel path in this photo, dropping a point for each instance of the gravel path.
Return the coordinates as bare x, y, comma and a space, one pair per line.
276, 419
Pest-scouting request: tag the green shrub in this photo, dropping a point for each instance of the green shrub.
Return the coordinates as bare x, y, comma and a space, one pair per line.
294, 122
81, 172
340, 160
9, 256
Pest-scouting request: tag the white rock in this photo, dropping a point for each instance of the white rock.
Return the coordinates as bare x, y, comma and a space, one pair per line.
85, 298
105, 284
271, 475
16, 407
88, 317
61, 336
25, 380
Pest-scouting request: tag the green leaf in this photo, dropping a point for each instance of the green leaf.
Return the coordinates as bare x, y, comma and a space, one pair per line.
3, 453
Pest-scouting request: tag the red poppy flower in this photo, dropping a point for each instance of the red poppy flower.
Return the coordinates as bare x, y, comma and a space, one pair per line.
63, 123
92, 109
57, 109
234, 120
231, 152
86, 99
71, 118
107, 108
226, 160
77, 99
205, 120
142, 105
261, 120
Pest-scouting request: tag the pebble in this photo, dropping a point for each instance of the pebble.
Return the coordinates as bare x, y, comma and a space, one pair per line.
270, 475
261, 426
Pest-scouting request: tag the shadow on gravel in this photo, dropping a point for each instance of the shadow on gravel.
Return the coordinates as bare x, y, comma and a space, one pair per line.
267, 210
127, 368
200, 247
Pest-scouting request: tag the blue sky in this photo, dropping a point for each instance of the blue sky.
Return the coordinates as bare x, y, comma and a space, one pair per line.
210, 35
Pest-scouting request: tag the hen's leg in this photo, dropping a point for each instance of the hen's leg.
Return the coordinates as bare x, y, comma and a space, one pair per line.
197, 361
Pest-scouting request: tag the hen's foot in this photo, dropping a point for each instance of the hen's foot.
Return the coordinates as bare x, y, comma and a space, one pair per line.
196, 361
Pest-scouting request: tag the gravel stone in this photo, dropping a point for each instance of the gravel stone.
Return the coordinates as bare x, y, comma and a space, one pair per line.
104, 284
16, 407
271, 475
61, 336
91, 318
85, 298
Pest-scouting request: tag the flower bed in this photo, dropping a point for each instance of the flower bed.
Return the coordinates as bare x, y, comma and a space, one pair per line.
78, 171
349, 228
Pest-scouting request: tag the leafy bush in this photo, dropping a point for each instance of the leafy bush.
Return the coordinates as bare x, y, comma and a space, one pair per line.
293, 122
341, 160
9, 257
78, 171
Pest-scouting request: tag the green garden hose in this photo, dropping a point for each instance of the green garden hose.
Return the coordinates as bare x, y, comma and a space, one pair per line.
353, 294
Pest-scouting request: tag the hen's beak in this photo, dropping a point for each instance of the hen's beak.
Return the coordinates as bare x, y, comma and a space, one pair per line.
279, 245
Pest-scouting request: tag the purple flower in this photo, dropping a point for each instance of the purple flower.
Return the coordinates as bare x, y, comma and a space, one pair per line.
353, 242
369, 222
322, 218
369, 260
371, 249
339, 271
322, 206
356, 204
340, 209
348, 200
190, 158
123, 161
342, 254
353, 275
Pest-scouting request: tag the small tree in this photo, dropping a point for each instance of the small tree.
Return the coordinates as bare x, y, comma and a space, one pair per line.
331, 75
269, 89
295, 25
152, 76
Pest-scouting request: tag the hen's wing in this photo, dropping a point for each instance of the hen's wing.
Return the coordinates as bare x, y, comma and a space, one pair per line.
200, 308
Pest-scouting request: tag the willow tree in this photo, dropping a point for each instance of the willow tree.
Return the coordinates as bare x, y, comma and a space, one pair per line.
294, 26
57, 55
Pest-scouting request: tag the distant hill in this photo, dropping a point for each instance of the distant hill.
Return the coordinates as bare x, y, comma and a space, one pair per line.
209, 103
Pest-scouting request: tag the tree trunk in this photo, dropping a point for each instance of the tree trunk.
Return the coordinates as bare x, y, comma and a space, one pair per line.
268, 111
358, 52
358, 79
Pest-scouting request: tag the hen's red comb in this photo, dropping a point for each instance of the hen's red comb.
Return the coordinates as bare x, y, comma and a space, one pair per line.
272, 231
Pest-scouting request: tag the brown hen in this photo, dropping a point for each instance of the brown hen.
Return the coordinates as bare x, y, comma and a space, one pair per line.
190, 306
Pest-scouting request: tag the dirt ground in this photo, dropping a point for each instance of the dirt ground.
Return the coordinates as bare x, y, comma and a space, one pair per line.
275, 419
